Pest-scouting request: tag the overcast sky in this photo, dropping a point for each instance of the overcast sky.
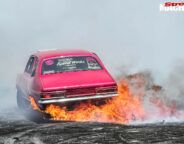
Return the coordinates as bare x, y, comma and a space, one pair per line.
130, 35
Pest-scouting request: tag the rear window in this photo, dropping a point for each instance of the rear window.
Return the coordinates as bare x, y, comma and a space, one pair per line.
70, 64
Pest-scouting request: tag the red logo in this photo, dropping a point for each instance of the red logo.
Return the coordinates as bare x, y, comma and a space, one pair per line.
172, 6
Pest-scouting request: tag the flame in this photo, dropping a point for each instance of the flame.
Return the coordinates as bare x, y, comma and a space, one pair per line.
120, 109
126, 107
33, 103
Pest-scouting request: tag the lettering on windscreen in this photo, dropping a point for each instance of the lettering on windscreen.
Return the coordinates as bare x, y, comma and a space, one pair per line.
69, 61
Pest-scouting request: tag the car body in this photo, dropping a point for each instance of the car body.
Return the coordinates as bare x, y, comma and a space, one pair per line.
61, 76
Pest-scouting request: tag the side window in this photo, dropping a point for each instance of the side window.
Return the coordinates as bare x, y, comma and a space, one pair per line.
30, 64
34, 66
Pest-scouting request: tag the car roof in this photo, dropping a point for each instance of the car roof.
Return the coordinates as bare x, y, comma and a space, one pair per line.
57, 53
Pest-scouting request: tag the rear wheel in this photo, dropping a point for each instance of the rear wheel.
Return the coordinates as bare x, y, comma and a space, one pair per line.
27, 109
18, 100
23, 104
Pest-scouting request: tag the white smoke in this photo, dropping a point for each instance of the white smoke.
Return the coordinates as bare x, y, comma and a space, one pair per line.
120, 32
161, 103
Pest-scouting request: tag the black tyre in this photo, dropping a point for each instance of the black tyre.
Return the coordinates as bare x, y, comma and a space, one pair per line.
27, 109
18, 99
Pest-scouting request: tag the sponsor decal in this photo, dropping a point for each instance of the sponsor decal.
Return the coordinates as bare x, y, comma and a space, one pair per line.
49, 62
90, 59
69, 61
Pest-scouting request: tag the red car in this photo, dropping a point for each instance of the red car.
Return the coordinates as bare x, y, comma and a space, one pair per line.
62, 76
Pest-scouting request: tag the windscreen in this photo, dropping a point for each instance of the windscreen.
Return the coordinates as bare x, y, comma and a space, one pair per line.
70, 64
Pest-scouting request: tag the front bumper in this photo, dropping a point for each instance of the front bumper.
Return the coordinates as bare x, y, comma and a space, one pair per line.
61, 100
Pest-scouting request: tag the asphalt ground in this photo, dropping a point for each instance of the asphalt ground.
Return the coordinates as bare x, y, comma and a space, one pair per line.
16, 129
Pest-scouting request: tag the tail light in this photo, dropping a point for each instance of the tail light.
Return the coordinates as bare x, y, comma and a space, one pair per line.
106, 90
53, 95
47, 96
